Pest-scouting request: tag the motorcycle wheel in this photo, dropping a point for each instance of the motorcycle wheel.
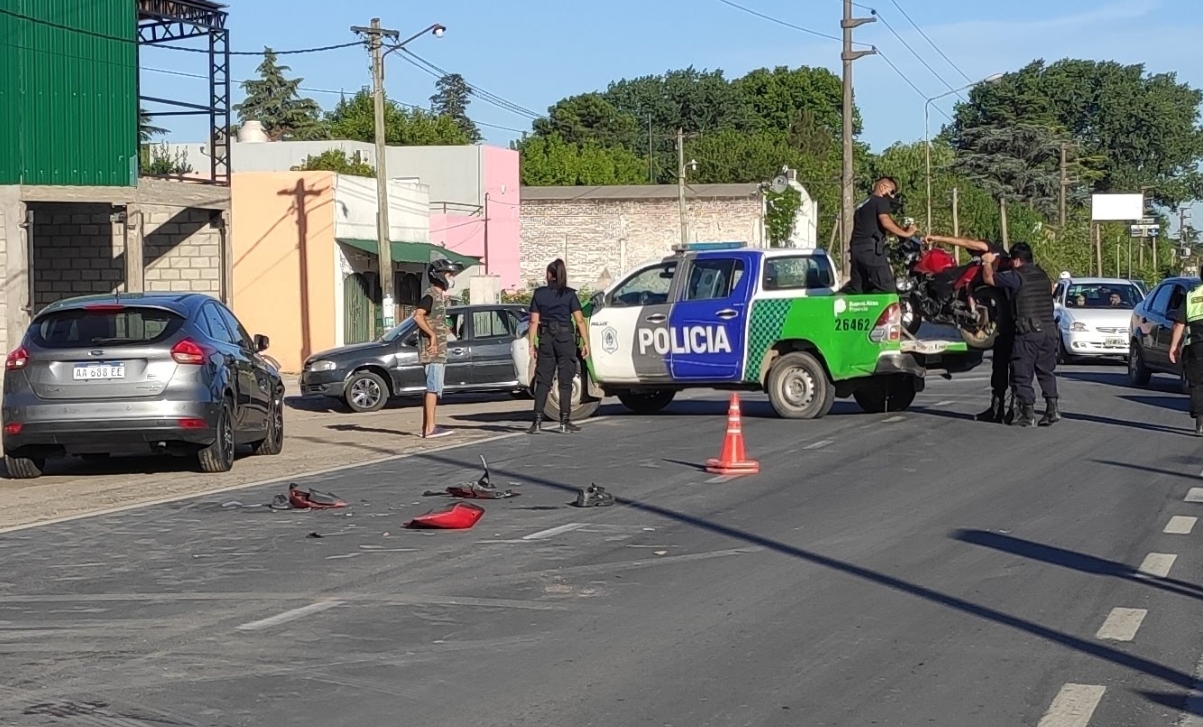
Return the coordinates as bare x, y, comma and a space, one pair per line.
911, 320
983, 335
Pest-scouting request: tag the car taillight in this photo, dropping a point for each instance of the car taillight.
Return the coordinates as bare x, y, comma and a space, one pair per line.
192, 423
13, 428
889, 325
104, 307
188, 352
16, 360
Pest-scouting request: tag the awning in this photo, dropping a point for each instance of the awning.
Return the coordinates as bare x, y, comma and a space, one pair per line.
417, 253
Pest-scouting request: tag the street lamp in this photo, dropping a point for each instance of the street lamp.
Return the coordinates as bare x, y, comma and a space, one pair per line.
927, 132
436, 30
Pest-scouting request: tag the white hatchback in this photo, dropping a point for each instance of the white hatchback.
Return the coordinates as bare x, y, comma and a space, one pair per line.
1093, 316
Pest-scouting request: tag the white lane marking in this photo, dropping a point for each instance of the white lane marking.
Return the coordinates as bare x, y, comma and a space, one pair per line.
1193, 710
1073, 706
894, 419
818, 445
943, 403
1180, 525
1157, 564
552, 532
720, 478
1122, 624
287, 616
1195, 494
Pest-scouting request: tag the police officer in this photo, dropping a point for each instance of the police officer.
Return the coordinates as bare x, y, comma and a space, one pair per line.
1188, 319
554, 311
1035, 349
872, 220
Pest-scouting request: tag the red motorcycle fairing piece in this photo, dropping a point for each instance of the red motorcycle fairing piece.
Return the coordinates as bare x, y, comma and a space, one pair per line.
935, 261
459, 516
312, 499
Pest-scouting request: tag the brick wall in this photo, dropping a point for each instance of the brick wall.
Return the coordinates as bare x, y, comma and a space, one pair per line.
182, 247
616, 235
77, 250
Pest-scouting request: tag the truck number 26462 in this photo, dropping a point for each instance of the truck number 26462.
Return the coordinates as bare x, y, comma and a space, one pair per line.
853, 324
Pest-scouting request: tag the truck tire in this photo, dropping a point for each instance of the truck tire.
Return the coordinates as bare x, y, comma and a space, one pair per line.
580, 409
798, 387
883, 394
647, 402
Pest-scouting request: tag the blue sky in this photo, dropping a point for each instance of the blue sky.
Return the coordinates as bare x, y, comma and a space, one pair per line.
534, 52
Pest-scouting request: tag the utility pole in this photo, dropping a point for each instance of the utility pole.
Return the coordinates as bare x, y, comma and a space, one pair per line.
376, 36
847, 177
681, 184
1064, 184
1002, 219
956, 219
651, 175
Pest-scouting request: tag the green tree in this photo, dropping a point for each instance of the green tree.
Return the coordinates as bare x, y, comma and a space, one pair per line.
146, 127
1019, 162
776, 97
551, 161
353, 119
451, 99
336, 160
589, 117
274, 101
1143, 129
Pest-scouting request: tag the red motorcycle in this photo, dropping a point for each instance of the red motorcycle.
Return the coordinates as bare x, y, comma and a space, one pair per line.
935, 289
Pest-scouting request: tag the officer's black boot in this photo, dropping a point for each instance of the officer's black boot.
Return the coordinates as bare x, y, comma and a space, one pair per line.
994, 413
1199, 426
537, 425
1052, 414
1027, 416
567, 427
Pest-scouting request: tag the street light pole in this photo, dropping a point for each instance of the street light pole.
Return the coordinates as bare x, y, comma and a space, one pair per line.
847, 175
927, 133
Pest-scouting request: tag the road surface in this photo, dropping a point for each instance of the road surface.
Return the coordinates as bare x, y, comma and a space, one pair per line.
897, 569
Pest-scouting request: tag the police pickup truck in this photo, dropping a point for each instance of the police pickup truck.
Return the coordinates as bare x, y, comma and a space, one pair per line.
725, 316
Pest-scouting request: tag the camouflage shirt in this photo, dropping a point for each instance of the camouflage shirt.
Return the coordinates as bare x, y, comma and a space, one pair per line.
434, 306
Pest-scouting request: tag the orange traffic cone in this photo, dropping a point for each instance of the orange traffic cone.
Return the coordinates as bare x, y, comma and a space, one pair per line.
733, 460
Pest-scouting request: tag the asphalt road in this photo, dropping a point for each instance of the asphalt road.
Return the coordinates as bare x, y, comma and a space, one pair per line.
909, 569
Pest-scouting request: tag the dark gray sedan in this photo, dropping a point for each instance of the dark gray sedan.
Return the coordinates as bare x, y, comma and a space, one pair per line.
366, 375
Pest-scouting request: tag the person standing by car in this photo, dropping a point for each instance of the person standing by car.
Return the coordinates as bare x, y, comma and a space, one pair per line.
1004, 344
1188, 320
872, 221
1035, 348
554, 309
431, 319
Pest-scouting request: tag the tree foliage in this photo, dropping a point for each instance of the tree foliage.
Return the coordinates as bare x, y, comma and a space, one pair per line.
336, 160
275, 102
552, 161
451, 99
353, 119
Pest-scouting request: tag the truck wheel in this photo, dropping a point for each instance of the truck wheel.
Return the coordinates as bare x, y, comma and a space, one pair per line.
648, 402
885, 394
580, 409
798, 387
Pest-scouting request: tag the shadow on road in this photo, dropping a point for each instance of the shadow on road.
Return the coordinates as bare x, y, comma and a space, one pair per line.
1150, 470
1069, 641
1174, 403
1145, 426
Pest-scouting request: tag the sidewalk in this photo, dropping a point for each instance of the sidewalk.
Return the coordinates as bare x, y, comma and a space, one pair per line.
315, 439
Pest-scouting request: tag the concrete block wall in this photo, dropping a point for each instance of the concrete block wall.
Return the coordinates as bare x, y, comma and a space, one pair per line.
614, 236
182, 248
77, 250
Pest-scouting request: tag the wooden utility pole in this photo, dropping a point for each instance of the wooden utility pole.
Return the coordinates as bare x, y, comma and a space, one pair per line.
1064, 184
681, 186
956, 219
651, 173
1098, 247
376, 36
847, 178
1002, 217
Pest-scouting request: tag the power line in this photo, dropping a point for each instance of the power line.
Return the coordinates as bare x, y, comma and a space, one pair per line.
477, 91
902, 75
778, 21
915, 53
299, 51
929, 40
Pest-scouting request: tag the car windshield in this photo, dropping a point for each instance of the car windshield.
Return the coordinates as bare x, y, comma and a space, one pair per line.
398, 331
114, 325
1103, 296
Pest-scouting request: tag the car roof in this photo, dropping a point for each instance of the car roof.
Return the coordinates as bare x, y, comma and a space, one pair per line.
180, 303
481, 306
768, 252
1099, 281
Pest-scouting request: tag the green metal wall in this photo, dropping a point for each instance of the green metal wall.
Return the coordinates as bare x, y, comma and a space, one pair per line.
68, 92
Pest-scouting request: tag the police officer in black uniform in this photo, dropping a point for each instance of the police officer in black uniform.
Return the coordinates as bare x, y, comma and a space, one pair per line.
555, 311
872, 220
1035, 347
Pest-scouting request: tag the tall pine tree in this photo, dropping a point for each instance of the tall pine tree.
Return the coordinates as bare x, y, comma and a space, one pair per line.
451, 100
274, 101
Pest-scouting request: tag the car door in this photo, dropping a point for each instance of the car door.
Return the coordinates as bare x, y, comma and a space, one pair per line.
490, 332
406, 369
1163, 329
252, 377
709, 319
225, 341
458, 374
628, 334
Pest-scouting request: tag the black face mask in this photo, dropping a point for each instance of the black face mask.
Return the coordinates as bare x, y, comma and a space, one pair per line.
895, 203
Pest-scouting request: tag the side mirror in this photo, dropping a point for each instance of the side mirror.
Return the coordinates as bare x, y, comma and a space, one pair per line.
597, 299
261, 342
411, 340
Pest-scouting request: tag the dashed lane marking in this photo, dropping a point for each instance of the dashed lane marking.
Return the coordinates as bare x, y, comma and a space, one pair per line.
818, 445
1157, 564
944, 403
1122, 624
1073, 706
894, 419
1180, 525
720, 479
1195, 494
287, 616
552, 532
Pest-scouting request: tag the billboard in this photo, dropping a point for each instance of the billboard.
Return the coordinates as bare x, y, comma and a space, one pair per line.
1117, 207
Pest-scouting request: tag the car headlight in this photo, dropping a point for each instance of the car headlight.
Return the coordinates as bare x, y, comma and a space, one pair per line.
320, 366
1078, 327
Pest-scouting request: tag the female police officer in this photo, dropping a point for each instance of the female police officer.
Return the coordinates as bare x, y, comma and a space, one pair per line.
554, 309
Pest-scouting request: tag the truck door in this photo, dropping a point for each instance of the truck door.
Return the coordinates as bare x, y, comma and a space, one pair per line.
628, 335
710, 317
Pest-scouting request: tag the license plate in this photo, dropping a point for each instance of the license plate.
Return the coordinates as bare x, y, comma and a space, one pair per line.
1114, 343
99, 372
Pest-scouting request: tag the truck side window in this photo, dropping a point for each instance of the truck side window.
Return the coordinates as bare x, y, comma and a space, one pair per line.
713, 279
646, 287
801, 272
